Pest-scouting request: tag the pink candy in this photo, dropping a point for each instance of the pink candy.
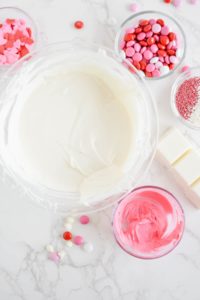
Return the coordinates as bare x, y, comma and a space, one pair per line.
54, 256
148, 54
137, 47
156, 28
154, 48
84, 219
177, 3
150, 67
137, 57
130, 51
78, 240
134, 7
165, 30
185, 68
141, 36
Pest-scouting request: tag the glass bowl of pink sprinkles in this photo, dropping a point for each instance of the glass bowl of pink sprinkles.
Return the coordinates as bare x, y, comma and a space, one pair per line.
153, 42
185, 98
18, 35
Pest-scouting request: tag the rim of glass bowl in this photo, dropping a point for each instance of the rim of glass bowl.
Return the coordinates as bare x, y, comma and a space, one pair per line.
134, 16
32, 24
179, 80
143, 256
56, 198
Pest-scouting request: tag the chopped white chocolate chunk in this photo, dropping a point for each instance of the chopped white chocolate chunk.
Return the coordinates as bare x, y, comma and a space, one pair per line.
173, 145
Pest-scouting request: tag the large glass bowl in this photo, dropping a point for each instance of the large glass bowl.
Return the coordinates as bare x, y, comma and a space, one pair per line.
133, 20
22, 73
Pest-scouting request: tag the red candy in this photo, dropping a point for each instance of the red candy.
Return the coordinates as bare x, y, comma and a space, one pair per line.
147, 28
150, 41
79, 24
171, 52
144, 22
172, 36
161, 22
67, 235
162, 53
129, 37
138, 30
149, 47
167, 1
160, 46
164, 40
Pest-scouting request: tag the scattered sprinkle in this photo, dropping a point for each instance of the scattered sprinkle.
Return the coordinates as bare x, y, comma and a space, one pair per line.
78, 24
16, 40
54, 256
68, 226
67, 235
78, 240
69, 244
185, 69
69, 220
134, 7
84, 219
50, 248
177, 3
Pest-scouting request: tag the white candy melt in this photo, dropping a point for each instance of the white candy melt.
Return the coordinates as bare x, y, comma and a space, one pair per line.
188, 168
167, 149
176, 152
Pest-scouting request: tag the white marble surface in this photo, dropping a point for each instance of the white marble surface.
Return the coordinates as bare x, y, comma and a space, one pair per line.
108, 273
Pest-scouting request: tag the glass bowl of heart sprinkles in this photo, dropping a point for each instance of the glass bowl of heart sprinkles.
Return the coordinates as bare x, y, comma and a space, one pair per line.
18, 35
185, 97
153, 42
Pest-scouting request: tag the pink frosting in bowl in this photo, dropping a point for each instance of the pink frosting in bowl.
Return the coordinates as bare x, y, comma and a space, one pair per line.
149, 222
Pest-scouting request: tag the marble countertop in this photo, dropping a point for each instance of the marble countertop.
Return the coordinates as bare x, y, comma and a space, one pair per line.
108, 273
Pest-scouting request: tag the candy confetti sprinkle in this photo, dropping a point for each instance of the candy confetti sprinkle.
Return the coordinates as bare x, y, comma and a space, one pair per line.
16, 40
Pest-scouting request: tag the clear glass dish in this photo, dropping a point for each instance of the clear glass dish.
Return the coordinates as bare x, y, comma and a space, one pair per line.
169, 216
190, 73
10, 12
151, 14
21, 74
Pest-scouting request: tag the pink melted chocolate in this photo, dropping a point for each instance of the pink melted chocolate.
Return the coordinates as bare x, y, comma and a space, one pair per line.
149, 221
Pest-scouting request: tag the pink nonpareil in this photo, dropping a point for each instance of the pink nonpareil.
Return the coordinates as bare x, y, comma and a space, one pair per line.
148, 223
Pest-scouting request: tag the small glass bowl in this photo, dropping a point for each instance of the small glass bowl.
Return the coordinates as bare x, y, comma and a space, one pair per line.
151, 14
167, 204
10, 12
190, 73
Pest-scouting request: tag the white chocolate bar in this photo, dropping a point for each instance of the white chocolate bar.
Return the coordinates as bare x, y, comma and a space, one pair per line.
176, 151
